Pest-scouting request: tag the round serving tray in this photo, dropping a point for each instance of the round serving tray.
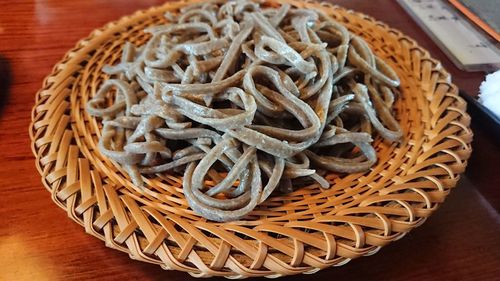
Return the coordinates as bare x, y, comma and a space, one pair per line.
300, 232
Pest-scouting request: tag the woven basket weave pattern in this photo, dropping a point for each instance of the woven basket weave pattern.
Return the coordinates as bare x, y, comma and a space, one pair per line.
301, 232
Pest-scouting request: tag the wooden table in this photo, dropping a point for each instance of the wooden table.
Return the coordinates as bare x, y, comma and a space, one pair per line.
38, 242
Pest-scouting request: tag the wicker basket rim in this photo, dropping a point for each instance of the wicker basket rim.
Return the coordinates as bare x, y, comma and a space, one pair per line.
206, 249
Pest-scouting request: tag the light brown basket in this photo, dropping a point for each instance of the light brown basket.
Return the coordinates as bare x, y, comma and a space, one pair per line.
301, 232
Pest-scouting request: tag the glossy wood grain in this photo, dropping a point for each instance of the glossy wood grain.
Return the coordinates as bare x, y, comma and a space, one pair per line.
39, 242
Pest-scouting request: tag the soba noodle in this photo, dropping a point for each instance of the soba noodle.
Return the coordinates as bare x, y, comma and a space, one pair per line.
244, 98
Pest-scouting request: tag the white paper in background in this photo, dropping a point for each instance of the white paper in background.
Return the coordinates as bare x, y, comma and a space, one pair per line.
469, 49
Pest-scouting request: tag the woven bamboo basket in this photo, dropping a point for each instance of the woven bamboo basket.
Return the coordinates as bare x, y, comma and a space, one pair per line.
301, 232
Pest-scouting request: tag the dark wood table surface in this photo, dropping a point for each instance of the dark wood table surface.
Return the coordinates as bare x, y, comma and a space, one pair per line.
461, 241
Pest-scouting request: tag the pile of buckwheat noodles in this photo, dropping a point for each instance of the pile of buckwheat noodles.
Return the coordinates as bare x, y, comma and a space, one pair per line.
245, 98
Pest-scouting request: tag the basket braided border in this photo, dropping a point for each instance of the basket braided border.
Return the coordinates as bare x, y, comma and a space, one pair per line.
302, 232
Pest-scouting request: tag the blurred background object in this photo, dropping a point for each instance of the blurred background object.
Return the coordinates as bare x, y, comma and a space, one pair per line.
484, 13
469, 47
5, 80
490, 93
